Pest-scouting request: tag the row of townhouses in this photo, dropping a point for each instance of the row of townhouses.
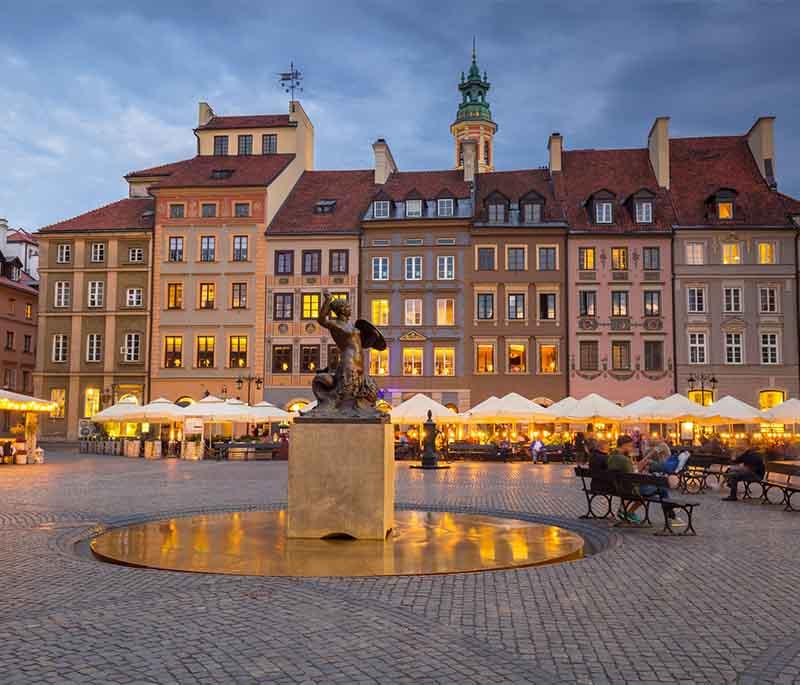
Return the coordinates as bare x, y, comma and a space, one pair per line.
673, 266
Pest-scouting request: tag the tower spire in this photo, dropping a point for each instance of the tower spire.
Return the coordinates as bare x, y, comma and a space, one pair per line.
474, 51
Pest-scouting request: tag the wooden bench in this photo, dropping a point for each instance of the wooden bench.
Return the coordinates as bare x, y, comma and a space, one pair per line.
468, 450
625, 486
778, 477
693, 479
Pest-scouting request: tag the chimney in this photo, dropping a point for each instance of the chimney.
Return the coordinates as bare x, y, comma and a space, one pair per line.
555, 144
3, 234
658, 146
204, 114
761, 144
384, 162
469, 149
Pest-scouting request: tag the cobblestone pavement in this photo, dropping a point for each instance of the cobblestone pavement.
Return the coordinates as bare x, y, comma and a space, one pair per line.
720, 607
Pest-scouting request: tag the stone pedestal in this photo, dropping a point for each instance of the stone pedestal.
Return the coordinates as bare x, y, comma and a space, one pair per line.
341, 478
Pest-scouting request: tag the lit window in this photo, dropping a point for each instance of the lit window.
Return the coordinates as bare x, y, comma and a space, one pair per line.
208, 293
619, 258
701, 397
732, 300
237, 351
485, 358
644, 212
205, 351
413, 208
603, 212
380, 312
725, 210
769, 348
733, 348
176, 211
173, 351
445, 312
412, 361
98, 252
586, 258
63, 253
517, 358
766, 253
379, 362
653, 355
413, 268
444, 207
695, 253
380, 268
413, 312
768, 300
620, 355
281, 359
767, 399
444, 361
548, 358
91, 402
94, 347
380, 209
697, 348
445, 267
310, 305
59, 397
132, 347
730, 253
174, 295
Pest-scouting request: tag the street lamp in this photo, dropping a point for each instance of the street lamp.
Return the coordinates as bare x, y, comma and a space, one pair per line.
702, 380
249, 379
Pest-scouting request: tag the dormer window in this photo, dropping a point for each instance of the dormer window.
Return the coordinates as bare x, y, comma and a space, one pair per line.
380, 209
532, 212
413, 208
644, 211
325, 207
444, 206
219, 174
497, 213
725, 209
603, 212
724, 201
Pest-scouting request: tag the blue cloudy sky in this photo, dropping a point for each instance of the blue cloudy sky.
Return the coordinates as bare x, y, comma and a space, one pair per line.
91, 90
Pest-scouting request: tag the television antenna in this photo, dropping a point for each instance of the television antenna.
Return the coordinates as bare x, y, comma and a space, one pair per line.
291, 80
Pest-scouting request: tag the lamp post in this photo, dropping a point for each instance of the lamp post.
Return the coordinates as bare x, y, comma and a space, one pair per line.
250, 380
701, 380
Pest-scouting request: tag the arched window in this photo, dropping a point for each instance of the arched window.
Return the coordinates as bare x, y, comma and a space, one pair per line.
770, 398
184, 401
129, 397
296, 405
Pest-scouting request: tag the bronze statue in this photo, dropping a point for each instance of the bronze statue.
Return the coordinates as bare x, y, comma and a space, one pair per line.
345, 389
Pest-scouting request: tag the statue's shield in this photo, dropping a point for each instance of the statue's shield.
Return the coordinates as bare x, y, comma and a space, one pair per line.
371, 337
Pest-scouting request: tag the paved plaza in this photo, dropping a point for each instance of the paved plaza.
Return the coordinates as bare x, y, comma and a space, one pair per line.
721, 607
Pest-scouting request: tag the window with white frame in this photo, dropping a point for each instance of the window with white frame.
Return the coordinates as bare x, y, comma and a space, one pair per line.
412, 361
515, 258
96, 293
602, 212
769, 348
413, 268
94, 347
768, 300
133, 297
644, 211
733, 348
547, 258
444, 206
697, 348
380, 209
63, 253
98, 252
732, 300
516, 306
61, 294
532, 212
731, 253
413, 312
766, 253
133, 347
696, 299
445, 267
135, 254
695, 253
380, 268
60, 347
413, 208
445, 311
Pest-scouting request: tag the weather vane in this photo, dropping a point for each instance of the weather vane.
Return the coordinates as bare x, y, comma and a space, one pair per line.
291, 80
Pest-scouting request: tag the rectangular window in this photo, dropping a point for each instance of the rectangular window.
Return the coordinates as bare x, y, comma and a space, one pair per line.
208, 248
651, 258
380, 312
547, 307
486, 306
516, 307
240, 248
497, 213
269, 143
695, 253
284, 307
241, 210
60, 347
379, 362
413, 312
174, 295
208, 210
587, 302
768, 300
548, 358
603, 213
445, 267
412, 361
589, 357
730, 253
517, 360
281, 359
133, 347
546, 260
444, 206
644, 212
380, 209
58, 396
208, 295
484, 362
173, 351
205, 351
620, 355
586, 258
134, 297
444, 361
725, 210
619, 303
766, 253
29, 311
220, 145
135, 255
238, 295
94, 347
515, 258
310, 305
696, 301
63, 253
62, 294
652, 303
445, 312
769, 348
27, 343
284, 262
732, 300
98, 253
309, 358
380, 268
91, 402
9, 340
245, 144
733, 348
532, 212
177, 211
96, 294
697, 348
619, 258
311, 262
339, 262
237, 351
413, 268
486, 258
653, 355
176, 249
413, 208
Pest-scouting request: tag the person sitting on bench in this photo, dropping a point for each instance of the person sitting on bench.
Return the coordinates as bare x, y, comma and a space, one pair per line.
747, 467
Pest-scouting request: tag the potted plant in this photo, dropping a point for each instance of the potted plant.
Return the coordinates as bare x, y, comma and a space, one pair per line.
20, 451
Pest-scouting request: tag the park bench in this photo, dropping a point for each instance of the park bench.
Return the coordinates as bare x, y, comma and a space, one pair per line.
468, 450
777, 478
693, 478
605, 485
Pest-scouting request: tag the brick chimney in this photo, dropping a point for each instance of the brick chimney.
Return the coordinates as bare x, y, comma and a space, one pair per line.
469, 149
384, 162
761, 143
204, 114
658, 146
555, 145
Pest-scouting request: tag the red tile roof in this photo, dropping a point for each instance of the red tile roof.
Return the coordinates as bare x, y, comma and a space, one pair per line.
247, 170
25, 284
792, 204
20, 235
514, 185
352, 190
160, 170
251, 121
428, 184
701, 166
130, 213
622, 172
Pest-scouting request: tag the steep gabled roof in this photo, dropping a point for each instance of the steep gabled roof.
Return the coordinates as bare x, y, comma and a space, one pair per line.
160, 170
428, 184
516, 185
130, 213
20, 235
248, 121
352, 191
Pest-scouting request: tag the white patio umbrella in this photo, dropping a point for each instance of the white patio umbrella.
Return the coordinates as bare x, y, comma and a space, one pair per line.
558, 410
216, 410
786, 412
415, 410
594, 408
121, 411
160, 410
264, 412
519, 408
488, 411
640, 410
730, 410
676, 408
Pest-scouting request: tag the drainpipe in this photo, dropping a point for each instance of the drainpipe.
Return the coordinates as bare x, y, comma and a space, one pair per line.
674, 329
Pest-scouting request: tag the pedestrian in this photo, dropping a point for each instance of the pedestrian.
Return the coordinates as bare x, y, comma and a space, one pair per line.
747, 467
537, 447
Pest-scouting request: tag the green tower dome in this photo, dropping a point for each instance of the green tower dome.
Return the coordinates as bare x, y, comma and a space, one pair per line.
474, 105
